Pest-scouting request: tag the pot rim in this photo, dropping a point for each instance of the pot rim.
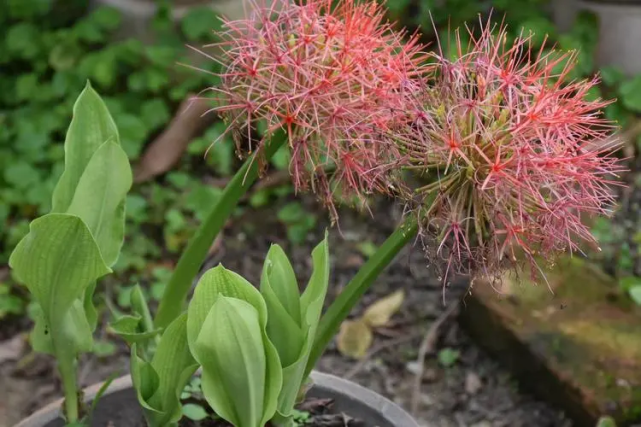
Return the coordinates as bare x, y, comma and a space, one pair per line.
396, 415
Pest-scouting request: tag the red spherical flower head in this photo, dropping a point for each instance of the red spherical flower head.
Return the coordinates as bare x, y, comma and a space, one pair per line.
515, 152
334, 76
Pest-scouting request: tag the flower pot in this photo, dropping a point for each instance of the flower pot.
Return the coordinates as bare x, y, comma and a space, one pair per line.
119, 407
619, 29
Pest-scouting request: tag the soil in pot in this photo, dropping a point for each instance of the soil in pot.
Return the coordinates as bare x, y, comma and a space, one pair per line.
120, 409
314, 412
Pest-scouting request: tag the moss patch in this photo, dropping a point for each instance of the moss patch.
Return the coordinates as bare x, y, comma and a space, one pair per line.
576, 342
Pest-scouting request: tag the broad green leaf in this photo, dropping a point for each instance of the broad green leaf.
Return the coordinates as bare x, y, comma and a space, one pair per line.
144, 378
40, 336
311, 306
160, 383
280, 273
89, 307
279, 288
57, 261
231, 349
175, 366
635, 294
140, 307
130, 329
100, 196
214, 285
90, 127
194, 412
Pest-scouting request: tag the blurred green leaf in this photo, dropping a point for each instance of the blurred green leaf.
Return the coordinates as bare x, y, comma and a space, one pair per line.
635, 294
447, 357
194, 412
23, 41
630, 92
105, 17
200, 23
104, 348
612, 76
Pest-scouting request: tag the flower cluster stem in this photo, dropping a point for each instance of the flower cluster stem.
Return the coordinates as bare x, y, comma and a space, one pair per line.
173, 299
360, 283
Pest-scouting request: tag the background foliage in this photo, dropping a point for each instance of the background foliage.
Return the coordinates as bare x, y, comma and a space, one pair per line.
48, 51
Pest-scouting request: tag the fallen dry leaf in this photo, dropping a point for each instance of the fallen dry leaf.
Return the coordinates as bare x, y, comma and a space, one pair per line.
380, 313
163, 153
354, 338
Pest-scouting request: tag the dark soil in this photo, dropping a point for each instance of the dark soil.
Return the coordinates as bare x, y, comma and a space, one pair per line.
474, 391
319, 412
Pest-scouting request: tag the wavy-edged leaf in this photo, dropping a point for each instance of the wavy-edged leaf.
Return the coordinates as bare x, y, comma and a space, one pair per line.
231, 348
99, 198
174, 365
280, 273
57, 261
215, 284
379, 313
354, 338
160, 382
311, 306
144, 378
90, 127
130, 329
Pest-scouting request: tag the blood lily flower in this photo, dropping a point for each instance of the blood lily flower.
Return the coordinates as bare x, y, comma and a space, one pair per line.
333, 76
512, 147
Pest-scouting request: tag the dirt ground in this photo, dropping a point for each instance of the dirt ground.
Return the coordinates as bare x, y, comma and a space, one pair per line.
473, 392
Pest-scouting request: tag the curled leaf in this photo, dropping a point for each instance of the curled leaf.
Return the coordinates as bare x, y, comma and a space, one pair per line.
380, 313
354, 338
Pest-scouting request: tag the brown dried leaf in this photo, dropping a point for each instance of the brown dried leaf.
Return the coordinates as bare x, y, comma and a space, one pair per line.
380, 313
354, 338
163, 153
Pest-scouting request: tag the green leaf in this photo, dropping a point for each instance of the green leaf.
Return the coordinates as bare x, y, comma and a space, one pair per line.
160, 383
279, 288
155, 113
281, 158
447, 357
606, 422
209, 331
202, 199
105, 17
90, 128
57, 260
279, 273
311, 303
194, 412
99, 198
104, 348
23, 40
630, 92
200, 23
291, 213
233, 356
130, 329
612, 76
635, 294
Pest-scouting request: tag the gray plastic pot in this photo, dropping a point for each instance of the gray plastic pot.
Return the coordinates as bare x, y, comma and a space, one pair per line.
119, 407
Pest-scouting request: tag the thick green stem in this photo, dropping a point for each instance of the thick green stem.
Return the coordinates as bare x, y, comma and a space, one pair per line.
360, 283
67, 369
192, 258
